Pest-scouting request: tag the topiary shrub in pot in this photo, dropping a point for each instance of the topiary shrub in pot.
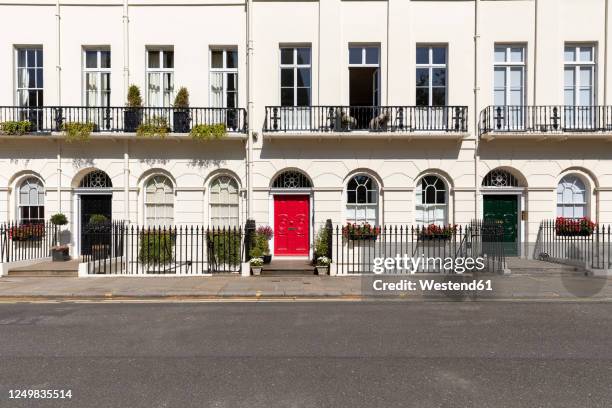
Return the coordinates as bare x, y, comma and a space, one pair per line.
181, 119
132, 115
59, 253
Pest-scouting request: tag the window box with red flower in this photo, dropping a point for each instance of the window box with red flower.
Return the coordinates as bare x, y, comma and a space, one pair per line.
433, 231
27, 232
574, 227
363, 232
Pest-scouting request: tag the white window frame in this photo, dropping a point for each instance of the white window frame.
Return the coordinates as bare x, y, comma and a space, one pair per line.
352, 208
98, 72
431, 66
21, 205
211, 204
585, 193
295, 66
149, 205
424, 208
36, 67
578, 65
363, 48
161, 71
509, 65
225, 72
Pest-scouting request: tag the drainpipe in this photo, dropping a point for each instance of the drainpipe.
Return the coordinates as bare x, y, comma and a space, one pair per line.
535, 54
605, 94
476, 113
58, 65
59, 176
249, 163
126, 48
126, 180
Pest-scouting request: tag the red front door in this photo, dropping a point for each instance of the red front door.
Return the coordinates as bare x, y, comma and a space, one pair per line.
291, 225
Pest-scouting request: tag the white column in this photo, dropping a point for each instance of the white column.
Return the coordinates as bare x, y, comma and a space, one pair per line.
126, 180
58, 63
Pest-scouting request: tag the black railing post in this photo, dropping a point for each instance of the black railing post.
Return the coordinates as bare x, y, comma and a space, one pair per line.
59, 119
249, 235
275, 119
329, 228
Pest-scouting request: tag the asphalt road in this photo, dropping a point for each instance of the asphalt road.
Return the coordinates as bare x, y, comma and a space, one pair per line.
309, 354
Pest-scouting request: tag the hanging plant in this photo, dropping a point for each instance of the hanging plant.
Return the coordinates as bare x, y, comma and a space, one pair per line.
77, 131
154, 127
13, 128
204, 133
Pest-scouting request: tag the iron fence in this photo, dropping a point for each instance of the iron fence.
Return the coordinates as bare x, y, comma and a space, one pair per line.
22, 242
546, 119
575, 242
49, 119
366, 118
361, 253
121, 249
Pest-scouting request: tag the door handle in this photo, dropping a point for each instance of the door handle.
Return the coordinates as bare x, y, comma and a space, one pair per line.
291, 229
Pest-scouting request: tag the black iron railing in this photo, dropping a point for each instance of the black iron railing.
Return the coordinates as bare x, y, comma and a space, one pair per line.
366, 118
121, 249
124, 119
577, 242
546, 119
355, 251
23, 242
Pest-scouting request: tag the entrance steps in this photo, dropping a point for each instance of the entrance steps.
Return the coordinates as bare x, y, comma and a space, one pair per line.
47, 269
520, 266
288, 267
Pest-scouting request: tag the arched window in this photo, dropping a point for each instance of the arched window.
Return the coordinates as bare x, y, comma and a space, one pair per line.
291, 179
431, 201
224, 199
500, 178
159, 201
96, 179
571, 197
362, 200
31, 201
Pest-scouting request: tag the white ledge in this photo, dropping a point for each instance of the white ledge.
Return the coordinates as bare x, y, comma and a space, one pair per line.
365, 135
120, 136
541, 136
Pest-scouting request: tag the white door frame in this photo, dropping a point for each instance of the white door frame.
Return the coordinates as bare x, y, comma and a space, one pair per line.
76, 214
293, 191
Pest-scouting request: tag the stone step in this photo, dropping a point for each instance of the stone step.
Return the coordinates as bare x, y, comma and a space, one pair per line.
42, 273
47, 269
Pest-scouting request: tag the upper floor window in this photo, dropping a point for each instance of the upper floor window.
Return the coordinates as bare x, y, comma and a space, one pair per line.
509, 75
431, 70
96, 73
29, 77
224, 78
160, 77
31, 201
364, 79
295, 76
579, 75
362, 200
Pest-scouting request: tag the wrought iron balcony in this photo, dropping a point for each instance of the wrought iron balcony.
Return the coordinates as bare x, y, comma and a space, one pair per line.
537, 120
340, 119
124, 119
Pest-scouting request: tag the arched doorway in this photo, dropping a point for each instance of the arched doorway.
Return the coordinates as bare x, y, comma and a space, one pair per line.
291, 192
94, 203
502, 203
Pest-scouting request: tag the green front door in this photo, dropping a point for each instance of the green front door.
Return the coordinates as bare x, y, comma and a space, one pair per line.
503, 209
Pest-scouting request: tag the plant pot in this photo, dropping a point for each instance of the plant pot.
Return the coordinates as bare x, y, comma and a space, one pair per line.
180, 121
267, 259
59, 254
322, 270
256, 270
132, 118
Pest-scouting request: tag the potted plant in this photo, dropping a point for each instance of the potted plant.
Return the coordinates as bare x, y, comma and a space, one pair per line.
256, 266
180, 120
321, 244
59, 253
101, 235
323, 263
264, 235
132, 115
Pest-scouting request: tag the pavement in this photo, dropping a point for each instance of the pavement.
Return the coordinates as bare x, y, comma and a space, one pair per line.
535, 285
315, 354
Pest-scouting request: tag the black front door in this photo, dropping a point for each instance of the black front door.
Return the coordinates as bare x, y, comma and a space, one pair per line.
503, 210
92, 205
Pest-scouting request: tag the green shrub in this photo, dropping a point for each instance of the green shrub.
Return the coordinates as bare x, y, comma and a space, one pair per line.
225, 247
154, 127
260, 246
182, 98
156, 248
15, 128
77, 131
134, 100
97, 219
59, 219
203, 133
321, 242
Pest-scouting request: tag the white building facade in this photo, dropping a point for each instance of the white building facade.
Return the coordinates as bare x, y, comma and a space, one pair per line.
384, 111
